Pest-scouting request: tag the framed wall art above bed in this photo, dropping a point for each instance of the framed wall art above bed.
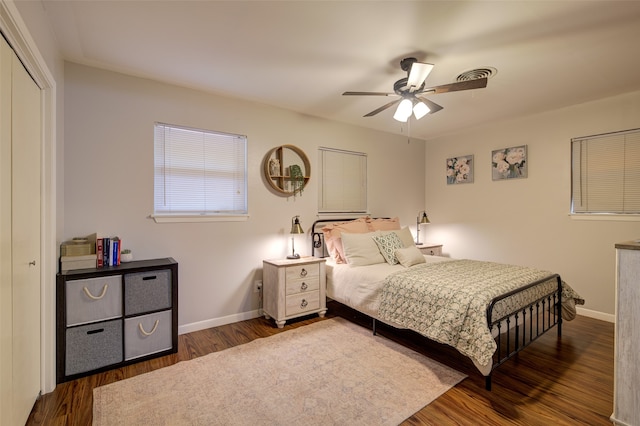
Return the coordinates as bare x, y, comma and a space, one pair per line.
509, 163
460, 169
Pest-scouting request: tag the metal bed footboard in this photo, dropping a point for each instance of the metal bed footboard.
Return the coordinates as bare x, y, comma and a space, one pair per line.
525, 325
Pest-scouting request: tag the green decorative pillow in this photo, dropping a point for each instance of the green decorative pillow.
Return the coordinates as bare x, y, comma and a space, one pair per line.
388, 244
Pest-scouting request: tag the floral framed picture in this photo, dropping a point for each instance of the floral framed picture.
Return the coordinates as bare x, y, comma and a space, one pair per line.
509, 163
460, 170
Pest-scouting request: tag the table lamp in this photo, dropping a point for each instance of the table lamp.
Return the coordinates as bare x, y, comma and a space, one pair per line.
419, 221
295, 229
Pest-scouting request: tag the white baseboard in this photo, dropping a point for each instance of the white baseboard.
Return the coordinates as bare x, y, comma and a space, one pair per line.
595, 314
216, 322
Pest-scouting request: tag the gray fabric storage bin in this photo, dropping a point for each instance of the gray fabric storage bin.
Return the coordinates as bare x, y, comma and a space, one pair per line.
94, 299
93, 346
147, 291
151, 338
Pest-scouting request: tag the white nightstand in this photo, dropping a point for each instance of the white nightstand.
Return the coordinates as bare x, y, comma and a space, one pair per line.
430, 249
293, 288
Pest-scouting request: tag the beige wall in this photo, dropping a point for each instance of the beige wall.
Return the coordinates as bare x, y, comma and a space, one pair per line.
108, 183
526, 221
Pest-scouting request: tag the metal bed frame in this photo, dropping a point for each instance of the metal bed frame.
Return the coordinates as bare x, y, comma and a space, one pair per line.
521, 328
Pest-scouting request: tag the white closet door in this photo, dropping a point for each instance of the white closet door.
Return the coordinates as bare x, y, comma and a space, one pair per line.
6, 353
26, 131
25, 241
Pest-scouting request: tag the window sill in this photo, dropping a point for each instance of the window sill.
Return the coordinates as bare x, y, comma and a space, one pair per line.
198, 219
612, 217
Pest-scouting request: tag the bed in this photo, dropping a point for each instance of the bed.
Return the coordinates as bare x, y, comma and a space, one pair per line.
487, 311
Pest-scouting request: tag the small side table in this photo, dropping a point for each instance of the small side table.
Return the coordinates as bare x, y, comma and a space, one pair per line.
294, 288
430, 249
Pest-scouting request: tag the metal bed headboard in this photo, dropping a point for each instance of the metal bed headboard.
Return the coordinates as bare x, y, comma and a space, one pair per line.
317, 237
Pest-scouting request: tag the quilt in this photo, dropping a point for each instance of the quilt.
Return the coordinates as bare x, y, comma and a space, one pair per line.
447, 301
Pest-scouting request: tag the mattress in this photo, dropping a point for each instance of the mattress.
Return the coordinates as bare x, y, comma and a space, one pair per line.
360, 287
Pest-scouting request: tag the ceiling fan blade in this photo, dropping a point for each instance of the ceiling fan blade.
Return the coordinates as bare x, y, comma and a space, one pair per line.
433, 107
368, 94
478, 83
383, 107
418, 74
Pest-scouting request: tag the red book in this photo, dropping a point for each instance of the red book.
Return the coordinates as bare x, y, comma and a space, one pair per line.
99, 252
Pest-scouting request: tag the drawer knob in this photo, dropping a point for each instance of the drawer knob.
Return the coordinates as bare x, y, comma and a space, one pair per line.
303, 273
153, 330
91, 296
304, 303
304, 286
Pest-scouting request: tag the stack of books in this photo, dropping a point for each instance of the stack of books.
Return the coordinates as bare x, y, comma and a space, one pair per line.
90, 252
108, 251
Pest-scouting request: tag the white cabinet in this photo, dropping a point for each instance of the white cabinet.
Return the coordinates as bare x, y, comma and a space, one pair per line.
626, 388
293, 288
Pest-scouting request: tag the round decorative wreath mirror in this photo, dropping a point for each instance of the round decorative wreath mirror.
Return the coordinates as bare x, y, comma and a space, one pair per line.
287, 169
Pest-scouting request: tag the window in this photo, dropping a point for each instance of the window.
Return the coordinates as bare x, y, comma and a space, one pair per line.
199, 172
605, 173
343, 181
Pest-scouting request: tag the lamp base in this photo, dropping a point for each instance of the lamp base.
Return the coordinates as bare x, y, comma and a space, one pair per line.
293, 256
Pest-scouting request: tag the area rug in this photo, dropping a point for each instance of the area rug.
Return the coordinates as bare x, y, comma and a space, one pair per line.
331, 372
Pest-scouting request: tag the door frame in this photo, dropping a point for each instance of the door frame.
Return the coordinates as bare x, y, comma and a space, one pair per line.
17, 34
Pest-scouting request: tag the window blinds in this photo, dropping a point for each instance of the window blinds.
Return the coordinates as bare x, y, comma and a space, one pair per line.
199, 172
606, 173
343, 181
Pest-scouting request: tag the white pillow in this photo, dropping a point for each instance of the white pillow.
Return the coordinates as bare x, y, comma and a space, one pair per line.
404, 234
361, 249
409, 256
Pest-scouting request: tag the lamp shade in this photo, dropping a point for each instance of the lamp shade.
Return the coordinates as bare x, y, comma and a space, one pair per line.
424, 218
296, 228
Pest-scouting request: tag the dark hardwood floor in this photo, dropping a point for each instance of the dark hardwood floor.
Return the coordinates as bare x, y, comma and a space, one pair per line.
567, 381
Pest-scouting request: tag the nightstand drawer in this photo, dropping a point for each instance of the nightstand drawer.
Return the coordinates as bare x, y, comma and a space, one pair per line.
297, 272
299, 286
302, 302
431, 250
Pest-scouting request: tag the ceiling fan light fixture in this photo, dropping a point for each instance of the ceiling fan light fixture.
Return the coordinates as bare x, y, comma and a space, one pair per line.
420, 110
418, 74
409, 90
404, 110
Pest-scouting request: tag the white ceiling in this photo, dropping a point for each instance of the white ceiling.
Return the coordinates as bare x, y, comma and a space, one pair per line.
301, 55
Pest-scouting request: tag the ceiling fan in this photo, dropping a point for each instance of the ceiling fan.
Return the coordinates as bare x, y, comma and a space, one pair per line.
410, 89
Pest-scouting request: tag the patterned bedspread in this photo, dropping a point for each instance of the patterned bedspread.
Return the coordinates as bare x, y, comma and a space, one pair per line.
447, 301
